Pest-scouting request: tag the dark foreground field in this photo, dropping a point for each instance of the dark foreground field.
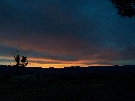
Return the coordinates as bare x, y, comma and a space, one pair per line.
70, 88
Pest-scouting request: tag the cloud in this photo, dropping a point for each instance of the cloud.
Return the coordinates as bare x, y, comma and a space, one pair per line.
44, 62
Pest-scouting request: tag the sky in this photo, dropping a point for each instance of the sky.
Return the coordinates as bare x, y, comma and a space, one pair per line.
61, 33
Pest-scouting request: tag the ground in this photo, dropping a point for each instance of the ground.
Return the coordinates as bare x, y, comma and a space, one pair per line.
65, 89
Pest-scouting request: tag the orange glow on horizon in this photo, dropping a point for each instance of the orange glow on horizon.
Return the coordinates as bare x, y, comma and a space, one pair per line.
53, 65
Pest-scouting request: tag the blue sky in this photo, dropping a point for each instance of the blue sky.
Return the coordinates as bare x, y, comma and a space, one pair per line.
65, 32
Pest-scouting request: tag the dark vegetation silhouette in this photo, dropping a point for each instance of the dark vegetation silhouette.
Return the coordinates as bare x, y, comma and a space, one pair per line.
23, 62
126, 8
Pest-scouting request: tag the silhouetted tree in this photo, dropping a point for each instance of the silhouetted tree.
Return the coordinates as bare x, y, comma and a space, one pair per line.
17, 59
22, 63
126, 8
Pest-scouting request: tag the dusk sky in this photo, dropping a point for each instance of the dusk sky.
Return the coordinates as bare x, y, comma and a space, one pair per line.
59, 33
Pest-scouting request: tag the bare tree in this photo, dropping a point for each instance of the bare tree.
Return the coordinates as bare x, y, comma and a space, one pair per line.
17, 59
